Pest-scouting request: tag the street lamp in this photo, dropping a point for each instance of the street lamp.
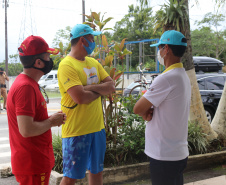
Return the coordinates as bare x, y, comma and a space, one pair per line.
6, 41
83, 11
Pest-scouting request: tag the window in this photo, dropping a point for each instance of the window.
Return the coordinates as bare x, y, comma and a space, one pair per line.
215, 83
55, 76
201, 84
50, 77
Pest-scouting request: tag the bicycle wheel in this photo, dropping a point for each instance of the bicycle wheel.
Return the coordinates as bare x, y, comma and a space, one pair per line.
137, 90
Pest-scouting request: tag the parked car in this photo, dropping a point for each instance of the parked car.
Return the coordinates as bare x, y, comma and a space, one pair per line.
48, 79
52, 87
211, 86
207, 64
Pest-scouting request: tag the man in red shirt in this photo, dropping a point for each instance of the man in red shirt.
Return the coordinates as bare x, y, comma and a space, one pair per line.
32, 157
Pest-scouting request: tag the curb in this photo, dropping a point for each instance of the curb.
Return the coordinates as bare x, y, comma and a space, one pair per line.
141, 170
135, 171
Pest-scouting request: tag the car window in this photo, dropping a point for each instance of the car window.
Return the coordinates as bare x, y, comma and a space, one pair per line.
50, 77
215, 83
55, 76
43, 77
201, 84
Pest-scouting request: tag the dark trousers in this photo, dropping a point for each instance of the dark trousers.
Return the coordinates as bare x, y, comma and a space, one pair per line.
167, 172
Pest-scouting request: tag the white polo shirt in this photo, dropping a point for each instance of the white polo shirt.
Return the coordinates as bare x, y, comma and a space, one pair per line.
166, 134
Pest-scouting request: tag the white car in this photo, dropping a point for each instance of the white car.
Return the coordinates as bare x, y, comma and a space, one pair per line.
48, 79
52, 87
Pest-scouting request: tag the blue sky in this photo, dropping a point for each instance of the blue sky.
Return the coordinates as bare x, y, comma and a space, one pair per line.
48, 16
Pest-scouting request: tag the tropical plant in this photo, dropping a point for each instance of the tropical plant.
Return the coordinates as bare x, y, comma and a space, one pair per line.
129, 147
197, 141
57, 149
172, 16
96, 21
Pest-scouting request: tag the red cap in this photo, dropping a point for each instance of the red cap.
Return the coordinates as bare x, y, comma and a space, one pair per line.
34, 45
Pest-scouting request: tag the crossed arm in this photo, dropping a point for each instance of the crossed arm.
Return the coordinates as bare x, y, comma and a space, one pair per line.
143, 108
86, 94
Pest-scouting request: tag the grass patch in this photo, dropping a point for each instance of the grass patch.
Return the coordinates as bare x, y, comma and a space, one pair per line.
53, 94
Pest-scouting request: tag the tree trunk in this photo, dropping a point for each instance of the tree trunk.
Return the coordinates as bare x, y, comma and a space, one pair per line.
197, 112
219, 121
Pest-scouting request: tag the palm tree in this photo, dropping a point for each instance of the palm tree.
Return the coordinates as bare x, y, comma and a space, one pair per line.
143, 3
219, 121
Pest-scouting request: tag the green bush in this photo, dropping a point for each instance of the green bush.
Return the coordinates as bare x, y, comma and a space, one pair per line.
57, 149
129, 147
197, 141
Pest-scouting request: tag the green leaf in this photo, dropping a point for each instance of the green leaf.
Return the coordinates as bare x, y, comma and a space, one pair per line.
117, 47
108, 19
104, 41
95, 16
122, 44
112, 73
108, 60
107, 69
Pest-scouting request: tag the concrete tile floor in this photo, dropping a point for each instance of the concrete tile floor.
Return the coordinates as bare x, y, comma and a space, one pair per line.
221, 180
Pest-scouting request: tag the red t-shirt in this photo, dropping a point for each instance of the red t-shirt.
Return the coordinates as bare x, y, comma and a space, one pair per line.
32, 155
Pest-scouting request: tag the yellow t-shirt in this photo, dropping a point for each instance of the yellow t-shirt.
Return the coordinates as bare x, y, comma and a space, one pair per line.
81, 118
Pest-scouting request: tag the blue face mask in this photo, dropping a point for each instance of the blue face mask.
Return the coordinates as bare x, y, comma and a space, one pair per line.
90, 48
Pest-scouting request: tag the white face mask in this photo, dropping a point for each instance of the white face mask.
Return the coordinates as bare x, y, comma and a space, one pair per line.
160, 59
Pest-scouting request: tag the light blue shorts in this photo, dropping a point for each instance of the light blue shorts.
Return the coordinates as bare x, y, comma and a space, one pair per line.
83, 152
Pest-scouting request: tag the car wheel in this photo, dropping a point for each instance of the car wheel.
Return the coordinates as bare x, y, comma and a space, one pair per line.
209, 114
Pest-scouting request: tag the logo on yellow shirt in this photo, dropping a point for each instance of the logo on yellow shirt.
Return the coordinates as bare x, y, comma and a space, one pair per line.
91, 74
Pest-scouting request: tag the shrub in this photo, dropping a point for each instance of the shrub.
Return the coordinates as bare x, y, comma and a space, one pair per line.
197, 142
57, 149
129, 147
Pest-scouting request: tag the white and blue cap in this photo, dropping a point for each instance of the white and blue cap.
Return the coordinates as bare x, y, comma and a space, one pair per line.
171, 37
81, 30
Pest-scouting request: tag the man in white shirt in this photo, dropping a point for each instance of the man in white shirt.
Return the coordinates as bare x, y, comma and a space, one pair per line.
166, 107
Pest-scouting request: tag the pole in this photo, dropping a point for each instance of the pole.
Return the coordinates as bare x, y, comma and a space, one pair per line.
127, 61
83, 11
6, 41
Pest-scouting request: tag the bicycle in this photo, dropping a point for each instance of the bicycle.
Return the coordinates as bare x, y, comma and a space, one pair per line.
144, 84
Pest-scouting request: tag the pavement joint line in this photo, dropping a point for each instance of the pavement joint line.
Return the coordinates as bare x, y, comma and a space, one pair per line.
5, 154
4, 138
3, 129
4, 146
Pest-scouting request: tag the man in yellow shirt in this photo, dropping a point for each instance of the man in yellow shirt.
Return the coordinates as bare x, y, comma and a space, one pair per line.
82, 82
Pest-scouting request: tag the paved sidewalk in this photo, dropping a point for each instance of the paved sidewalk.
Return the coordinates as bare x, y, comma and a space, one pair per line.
221, 180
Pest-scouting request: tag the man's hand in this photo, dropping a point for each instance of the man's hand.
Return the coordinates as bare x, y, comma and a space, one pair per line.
148, 115
106, 87
57, 119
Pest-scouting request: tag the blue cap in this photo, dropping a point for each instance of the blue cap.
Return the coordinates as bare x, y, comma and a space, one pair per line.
81, 30
172, 37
